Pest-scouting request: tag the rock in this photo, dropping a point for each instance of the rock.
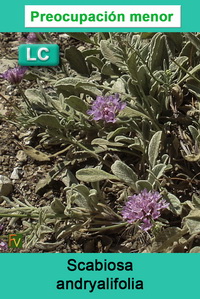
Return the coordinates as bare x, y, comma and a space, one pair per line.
6, 186
81, 48
21, 156
16, 174
64, 35
3, 111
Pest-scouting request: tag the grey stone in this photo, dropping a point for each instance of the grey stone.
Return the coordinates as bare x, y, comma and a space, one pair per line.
21, 156
6, 186
16, 174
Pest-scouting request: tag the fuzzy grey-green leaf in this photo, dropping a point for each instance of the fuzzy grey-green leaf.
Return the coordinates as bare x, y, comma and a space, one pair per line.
175, 204
57, 206
192, 221
77, 104
166, 238
124, 173
47, 120
94, 175
153, 149
76, 60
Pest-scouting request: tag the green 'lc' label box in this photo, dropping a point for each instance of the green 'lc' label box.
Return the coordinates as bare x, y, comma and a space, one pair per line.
38, 55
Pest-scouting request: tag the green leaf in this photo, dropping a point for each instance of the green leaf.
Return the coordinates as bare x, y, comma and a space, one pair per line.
196, 200
88, 89
143, 79
81, 36
193, 39
67, 177
37, 100
125, 139
158, 52
129, 112
194, 87
175, 204
108, 69
67, 86
101, 141
95, 61
124, 173
146, 129
111, 53
35, 154
47, 246
118, 86
77, 104
57, 206
192, 221
47, 120
147, 35
166, 238
132, 66
194, 132
91, 52
70, 81
143, 184
118, 131
193, 71
43, 184
93, 175
34, 95
82, 198
174, 39
153, 149
83, 190
76, 61
195, 249
157, 172
191, 157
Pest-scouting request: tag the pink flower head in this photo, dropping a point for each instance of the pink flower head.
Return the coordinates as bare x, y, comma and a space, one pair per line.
106, 108
32, 38
145, 207
14, 75
3, 246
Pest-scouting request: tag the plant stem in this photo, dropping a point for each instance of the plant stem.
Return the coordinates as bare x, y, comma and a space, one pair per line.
108, 227
26, 100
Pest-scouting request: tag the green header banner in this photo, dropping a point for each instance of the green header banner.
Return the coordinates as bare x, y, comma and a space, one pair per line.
111, 16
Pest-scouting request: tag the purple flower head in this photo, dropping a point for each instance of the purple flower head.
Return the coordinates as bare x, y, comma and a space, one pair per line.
29, 38
14, 75
106, 108
32, 38
3, 246
145, 207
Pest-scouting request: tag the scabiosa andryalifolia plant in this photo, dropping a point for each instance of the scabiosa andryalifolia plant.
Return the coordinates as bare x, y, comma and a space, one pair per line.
14, 75
145, 207
106, 108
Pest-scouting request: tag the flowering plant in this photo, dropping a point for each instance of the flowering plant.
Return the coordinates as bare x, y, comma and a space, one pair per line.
106, 108
14, 75
73, 113
145, 207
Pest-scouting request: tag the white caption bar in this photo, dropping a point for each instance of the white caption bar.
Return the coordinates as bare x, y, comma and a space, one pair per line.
100, 16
